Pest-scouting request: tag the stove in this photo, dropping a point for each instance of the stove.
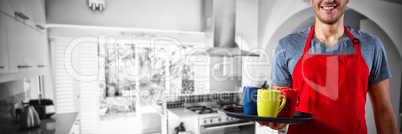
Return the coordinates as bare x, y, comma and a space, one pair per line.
202, 110
213, 120
223, 106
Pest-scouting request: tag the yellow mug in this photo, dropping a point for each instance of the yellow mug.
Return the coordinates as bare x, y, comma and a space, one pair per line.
268, 102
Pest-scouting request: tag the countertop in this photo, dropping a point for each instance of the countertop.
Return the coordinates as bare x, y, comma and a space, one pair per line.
183, 113
57, 124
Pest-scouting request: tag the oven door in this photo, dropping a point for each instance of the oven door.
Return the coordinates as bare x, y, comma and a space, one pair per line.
238, 127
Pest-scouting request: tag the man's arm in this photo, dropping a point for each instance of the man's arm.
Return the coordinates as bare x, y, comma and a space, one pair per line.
384, 115
275, 126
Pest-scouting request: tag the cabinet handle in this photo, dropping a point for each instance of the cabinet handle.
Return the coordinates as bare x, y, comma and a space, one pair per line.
41, 66
21, 15
40, 26
24, 66
1, 67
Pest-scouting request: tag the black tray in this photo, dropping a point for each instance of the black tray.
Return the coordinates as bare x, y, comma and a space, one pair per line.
237, 112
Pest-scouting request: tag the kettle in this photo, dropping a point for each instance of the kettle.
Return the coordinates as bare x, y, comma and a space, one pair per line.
29, 118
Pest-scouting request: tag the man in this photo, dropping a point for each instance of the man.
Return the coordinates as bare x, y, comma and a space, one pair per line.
334, 67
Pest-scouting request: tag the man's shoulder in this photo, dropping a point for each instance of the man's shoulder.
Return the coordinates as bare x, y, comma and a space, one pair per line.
295, 39
366, 39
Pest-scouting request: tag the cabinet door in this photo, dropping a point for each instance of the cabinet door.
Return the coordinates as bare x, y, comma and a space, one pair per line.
35, 10
3, 44
41, 53
20, 46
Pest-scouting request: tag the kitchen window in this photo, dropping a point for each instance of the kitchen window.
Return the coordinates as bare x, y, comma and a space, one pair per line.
157, 69
119, 92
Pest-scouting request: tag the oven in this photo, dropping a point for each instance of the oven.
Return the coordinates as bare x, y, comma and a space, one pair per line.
233, 127
212, 120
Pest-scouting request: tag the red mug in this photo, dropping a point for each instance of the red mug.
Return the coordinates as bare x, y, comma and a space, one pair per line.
292, 101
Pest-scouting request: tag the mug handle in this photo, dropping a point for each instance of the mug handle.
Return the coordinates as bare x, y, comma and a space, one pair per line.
298, 101
283, 103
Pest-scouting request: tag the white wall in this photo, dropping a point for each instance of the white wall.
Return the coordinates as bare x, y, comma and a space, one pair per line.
184, 15
218, 80
247, 21
395, 65
273, 14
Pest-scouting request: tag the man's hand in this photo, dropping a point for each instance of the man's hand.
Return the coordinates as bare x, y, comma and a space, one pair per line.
275, 126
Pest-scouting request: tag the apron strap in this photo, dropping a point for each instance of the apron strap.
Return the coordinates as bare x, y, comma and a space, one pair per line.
355, 41
308, 42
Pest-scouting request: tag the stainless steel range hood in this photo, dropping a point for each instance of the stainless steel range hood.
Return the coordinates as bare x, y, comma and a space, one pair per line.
220, 24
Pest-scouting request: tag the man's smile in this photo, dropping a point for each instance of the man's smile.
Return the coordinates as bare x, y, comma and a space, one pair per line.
328, 8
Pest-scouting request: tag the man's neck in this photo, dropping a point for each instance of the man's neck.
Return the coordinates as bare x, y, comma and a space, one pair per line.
329, 34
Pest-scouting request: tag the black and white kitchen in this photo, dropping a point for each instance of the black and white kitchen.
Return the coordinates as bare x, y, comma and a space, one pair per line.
158, 66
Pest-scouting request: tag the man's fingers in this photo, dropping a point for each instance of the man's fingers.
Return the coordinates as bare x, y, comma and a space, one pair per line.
282, 125
276, 126
272, 125
263, 124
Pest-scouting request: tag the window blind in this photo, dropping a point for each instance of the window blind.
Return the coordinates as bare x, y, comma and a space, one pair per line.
63, 83
73, 94
89, 90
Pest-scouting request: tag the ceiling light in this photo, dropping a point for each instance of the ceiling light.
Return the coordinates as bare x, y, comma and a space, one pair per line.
97, 4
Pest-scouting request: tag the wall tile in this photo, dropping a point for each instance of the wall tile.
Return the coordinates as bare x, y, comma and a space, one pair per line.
7, 117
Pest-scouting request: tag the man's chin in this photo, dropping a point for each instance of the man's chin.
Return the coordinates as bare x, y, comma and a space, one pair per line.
329, 21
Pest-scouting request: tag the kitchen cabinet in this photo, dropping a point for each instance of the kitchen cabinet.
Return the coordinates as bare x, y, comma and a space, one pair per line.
3, 44
29, 12
34, 10
182, 115
41, 51
23, 38
75, 129
21, 43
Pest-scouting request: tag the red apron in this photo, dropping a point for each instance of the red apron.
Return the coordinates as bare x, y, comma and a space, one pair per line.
333, 88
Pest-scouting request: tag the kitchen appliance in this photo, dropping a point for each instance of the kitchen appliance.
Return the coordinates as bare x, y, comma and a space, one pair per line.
220, 24
212, 120
44, 107
29, 118
202, 110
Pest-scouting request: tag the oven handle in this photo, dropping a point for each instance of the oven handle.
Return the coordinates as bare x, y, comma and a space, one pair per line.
226, 126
